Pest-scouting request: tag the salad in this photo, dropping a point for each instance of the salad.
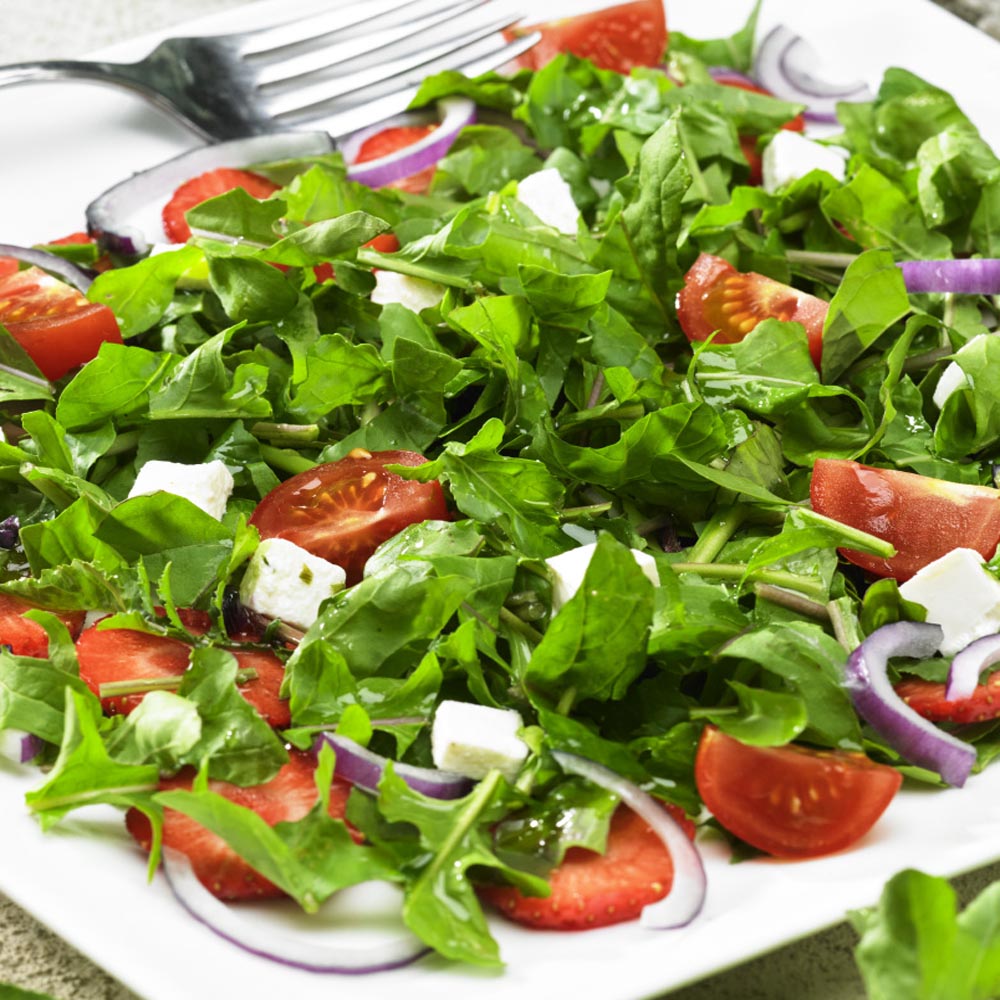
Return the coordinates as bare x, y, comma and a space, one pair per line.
515, 386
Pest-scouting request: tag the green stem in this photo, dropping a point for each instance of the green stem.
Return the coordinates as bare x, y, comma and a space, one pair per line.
520, 626
565, 704
716, 533
287, 461
792, 601
845, 623
142, 685
736, 571
819, 258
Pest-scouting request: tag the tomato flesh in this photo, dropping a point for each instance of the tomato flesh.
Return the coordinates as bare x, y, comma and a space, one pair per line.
342, 511
716, 298
924, 518
210, 184
56, 324
617, 38
790, 801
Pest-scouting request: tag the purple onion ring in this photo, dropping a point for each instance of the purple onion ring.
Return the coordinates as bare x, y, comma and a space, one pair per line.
909, 734
53, 263
452, 113
260, 939
364, 768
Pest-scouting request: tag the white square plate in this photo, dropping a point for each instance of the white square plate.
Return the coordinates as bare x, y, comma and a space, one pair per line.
67, 142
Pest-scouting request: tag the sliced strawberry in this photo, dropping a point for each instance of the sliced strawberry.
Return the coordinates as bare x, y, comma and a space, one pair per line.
122, 654
926, 698
285, 798
28, 638
209, 185
384, 243
596, 890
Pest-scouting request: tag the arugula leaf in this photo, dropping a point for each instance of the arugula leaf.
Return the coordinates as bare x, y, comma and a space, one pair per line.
914, 943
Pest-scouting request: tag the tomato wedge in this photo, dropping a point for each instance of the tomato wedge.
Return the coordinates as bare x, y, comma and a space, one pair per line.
617, 38
343, 511
717, 297
56, 324
790, 801
210, 184
923, 517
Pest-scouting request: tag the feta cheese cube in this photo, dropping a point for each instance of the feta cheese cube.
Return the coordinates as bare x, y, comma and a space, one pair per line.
568, 569
285, 581
414, 293
960, 595
953, 377
550, 198
790, 155
474, 739
207, 485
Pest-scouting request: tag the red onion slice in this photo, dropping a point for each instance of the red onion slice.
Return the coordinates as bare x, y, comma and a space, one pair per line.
687, 894
783, 64
909, 734
125, 218
364, 768
452, 113
328, 941
54, 264
968, 664
970, 276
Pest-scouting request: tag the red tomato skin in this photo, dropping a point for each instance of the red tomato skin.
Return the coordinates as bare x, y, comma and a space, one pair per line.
342, 511
616, 38
717, 297
924, 518
790, 801
56, 324
210, 184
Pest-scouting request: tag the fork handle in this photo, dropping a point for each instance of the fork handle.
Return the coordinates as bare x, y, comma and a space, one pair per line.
48, 70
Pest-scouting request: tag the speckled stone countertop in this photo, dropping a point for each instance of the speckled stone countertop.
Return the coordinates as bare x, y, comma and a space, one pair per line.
820, 967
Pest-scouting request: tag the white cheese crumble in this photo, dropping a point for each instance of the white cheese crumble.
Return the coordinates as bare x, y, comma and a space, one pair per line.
568, 570
401, 289
285, 581
960, 595
953, 377
790, 155
207, 485
550, 198
474, 739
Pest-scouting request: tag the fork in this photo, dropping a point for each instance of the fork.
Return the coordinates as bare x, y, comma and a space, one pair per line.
347, 64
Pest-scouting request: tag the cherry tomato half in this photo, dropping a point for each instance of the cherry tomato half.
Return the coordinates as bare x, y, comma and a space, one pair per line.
342, 511
617, 38
791, 802
717, 297
56, 324
922, 517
